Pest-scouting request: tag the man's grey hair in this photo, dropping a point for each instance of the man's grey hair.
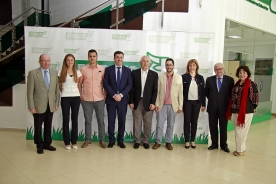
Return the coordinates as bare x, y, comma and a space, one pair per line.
219, 64
145, 57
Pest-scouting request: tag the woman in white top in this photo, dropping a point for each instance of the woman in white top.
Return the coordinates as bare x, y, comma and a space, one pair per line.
194, 100
70, 99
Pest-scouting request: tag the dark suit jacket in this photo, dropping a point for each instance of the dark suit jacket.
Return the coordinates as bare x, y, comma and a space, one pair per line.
110, 84
150, 89
218, 100
186, 79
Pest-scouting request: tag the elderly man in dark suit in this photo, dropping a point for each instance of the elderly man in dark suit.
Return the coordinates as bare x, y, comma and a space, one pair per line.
142, 99
117, 83
218, 91
43, 100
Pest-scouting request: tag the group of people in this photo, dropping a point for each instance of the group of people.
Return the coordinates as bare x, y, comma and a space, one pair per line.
144, 92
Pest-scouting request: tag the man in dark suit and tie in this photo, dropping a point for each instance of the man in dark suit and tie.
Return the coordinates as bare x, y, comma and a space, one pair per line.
142, 99
218, 91
43, 100
117, 83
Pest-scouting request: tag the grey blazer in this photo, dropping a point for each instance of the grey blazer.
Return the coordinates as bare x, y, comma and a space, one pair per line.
38, 95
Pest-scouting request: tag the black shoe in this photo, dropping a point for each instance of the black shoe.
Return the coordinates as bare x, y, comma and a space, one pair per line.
136, 145
111, 144
226, 149
146, 145
121, 145
50, 148
194, 147
40, 151
212, 147
187, 147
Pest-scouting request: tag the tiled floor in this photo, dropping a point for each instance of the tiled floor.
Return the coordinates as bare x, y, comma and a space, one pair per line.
19, 162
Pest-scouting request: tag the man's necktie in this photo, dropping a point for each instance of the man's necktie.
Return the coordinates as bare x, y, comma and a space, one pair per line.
219, 84
118, 79
46, 80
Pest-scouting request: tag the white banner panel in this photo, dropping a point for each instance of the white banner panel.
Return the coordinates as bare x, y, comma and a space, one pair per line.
181, 46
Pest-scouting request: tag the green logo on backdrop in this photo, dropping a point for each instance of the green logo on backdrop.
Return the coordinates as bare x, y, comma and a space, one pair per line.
104, 51
189, 54
71, 51
55, 65
265, 4
204, 70
38, 34
41, 50
121, 36
161, 38
131, 52
203, 39
156, 61
79, 36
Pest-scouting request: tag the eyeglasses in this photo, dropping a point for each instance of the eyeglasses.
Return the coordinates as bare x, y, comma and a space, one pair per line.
169, 65
217, 69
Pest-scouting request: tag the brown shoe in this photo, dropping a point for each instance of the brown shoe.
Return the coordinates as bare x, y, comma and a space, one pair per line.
169, 146
102, 144
86, 143
238, 154
156, 146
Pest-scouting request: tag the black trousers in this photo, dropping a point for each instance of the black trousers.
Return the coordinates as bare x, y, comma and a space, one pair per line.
121, 110
39, 119
191, 112
68, 103
215, 119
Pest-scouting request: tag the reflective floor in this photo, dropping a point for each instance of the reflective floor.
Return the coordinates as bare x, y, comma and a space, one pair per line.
19, 162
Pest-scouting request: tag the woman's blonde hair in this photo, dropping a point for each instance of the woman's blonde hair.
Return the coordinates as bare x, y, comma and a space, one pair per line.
63, 72
190, 62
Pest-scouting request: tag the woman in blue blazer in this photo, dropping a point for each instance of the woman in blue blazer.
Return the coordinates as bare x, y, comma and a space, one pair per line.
194, 100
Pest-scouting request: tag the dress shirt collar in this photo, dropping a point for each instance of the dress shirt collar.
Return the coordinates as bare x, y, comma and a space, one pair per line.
42, 70
89, 66
118, 66
144, 71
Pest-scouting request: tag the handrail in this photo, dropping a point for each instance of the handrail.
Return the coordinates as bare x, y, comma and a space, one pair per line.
96, 8
12, 53
23, 14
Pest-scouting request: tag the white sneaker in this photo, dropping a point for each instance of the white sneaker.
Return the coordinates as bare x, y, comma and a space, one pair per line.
75, 147
67, 147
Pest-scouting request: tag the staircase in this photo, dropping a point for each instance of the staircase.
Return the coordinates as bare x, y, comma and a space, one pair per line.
12, 50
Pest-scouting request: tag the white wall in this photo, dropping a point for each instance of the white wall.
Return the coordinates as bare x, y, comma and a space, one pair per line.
16, 8
15, 117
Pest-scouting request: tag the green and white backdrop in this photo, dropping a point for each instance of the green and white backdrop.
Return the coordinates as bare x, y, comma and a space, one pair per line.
181, 46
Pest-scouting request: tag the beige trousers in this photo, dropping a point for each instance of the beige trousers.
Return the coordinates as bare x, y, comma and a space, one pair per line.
139, 116
241, 132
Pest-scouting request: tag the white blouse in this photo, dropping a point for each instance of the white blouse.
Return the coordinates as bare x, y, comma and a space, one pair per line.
70, 87
193, 90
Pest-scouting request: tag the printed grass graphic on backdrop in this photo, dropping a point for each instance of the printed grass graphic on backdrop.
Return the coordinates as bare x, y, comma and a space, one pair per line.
128, 137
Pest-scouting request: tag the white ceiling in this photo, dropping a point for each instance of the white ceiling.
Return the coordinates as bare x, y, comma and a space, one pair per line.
246, 33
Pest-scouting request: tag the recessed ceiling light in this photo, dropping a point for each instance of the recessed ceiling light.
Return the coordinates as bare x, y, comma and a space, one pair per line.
234, 37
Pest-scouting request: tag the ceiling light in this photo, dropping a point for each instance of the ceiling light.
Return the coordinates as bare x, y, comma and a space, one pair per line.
235, 37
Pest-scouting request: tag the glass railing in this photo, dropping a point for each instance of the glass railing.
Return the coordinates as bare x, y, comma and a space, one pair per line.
136, 8
102, 19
